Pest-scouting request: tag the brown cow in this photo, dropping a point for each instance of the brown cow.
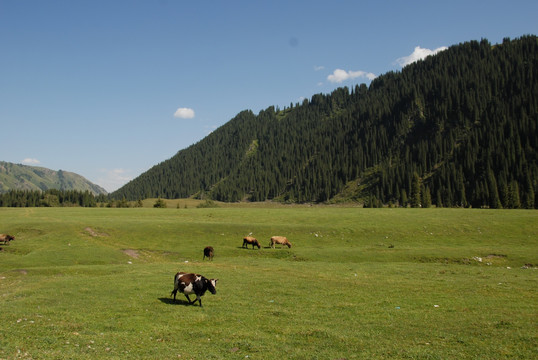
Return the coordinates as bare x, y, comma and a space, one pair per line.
281, 240
209, 252
249, 240
5, 238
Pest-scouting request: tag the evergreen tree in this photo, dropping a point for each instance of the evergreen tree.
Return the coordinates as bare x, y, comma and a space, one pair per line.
404, 198
439, 199
415, 192
513, 196
494, 200
426, 198
528, 202
160, 203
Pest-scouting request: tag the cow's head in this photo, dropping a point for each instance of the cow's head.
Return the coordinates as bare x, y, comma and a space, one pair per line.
211, 285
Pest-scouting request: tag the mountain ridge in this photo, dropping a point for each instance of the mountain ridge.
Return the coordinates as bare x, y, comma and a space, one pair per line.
24, 177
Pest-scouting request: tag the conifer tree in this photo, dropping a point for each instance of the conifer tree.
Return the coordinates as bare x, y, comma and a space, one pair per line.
494, 200
529, 194
513, 195
415, 191
404, 199
426, 197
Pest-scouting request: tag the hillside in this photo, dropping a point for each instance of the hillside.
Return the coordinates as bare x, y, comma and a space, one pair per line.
455, 129
23, 177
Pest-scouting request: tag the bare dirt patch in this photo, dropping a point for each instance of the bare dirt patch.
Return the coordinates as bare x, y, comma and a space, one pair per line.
496, 256
132, 253
94, 233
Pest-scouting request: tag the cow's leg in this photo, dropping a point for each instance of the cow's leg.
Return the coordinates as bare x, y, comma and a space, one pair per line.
174, 292
199, 300
188, 298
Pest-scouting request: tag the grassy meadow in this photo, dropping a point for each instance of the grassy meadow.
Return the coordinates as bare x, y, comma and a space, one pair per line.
357, 283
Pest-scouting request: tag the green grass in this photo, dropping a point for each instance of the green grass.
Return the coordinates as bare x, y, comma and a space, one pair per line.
357, 284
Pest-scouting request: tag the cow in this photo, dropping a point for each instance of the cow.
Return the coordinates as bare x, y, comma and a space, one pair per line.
208, 252
249, 240
5, 238
188, 284
281, 240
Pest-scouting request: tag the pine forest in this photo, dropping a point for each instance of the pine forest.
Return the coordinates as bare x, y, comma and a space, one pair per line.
457, 129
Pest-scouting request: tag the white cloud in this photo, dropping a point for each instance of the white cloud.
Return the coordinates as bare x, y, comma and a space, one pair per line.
113, 179
340, 75
418, 54
319, 68
30, 161
184, 113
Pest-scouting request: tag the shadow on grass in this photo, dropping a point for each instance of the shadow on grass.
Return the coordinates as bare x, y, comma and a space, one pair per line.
171, 301
262, 247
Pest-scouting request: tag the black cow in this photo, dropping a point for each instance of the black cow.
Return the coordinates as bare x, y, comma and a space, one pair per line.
209, 252
189, 284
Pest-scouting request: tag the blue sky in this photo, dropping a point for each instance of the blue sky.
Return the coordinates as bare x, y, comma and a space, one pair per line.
107, 89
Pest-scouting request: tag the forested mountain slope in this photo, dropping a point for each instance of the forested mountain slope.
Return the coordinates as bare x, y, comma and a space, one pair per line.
455, 129
23, 177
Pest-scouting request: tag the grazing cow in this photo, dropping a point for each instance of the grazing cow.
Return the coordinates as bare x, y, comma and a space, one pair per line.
193, 284
5, 238
208, 252
249, 240
281, 240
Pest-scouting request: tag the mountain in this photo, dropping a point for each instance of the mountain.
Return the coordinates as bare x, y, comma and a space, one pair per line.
23, 177
455, 129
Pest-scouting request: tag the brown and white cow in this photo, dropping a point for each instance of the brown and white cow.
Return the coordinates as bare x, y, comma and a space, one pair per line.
249, 240
5, 238
281, 240
188, 284
208, 252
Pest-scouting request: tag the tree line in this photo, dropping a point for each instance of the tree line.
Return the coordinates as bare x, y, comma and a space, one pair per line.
50, 198
457, 129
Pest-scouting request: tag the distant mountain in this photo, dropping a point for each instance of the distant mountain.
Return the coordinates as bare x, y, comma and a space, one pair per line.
23, 177
455, 129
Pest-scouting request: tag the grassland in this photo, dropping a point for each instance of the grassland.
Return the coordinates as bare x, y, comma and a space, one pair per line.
357, 284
